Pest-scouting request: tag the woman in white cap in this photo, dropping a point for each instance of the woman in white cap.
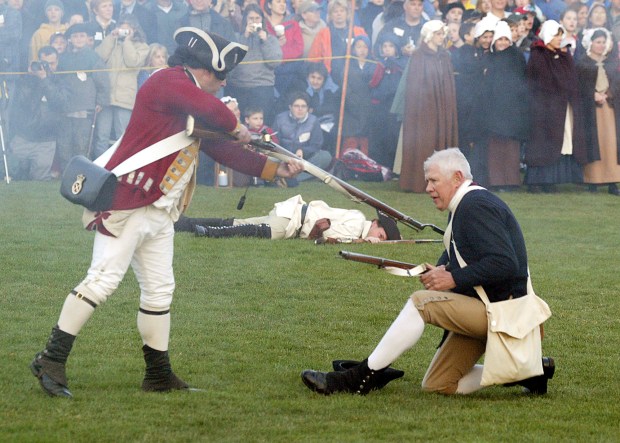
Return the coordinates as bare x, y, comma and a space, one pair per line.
556, 149
505, 109
430, 105
598, 82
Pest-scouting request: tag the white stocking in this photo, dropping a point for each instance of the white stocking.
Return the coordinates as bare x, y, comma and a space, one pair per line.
404, 332
155, 330
470, 381
74, 314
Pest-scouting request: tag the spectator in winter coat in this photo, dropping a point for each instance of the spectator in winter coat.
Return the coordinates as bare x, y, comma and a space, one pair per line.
252, 83
35, 112
54, 10
300, 133
384, 126
103, 22
123, 51
87, 91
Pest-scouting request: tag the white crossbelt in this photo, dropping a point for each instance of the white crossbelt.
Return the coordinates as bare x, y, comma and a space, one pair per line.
161, 149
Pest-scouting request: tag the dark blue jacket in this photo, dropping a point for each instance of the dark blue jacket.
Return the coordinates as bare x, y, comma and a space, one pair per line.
490, 240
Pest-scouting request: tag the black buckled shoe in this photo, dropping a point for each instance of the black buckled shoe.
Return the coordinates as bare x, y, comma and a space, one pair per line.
538, 385
358, 379
51, 376
383, 378
315, 381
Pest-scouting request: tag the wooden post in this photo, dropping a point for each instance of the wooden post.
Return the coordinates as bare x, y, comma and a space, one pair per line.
345, 79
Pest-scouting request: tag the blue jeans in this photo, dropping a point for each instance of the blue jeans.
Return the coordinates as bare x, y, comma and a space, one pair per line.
110, 118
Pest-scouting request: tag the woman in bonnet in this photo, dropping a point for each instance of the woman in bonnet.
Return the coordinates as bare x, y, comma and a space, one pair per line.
430, 102
557, 144
598, 82
506, 109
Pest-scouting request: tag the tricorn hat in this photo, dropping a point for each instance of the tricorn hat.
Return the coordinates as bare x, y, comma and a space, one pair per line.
215, 53
389, 224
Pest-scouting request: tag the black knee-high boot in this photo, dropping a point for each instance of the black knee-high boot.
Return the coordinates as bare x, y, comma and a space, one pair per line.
159, 376
49, 365
260, 231
188, 224
358, 379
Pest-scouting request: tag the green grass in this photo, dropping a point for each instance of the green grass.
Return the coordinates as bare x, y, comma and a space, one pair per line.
250, 314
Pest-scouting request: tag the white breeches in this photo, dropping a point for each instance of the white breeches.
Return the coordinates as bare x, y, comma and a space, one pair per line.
146, 243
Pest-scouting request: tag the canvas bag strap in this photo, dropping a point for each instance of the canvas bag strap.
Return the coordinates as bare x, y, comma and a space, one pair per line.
448, 238
156, 151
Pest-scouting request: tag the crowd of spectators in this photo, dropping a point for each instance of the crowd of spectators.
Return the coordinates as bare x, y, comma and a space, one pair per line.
534, 81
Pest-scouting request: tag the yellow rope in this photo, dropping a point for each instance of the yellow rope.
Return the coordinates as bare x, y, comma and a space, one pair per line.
316, 59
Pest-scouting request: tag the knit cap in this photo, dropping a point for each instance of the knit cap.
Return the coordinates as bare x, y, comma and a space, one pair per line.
57, 3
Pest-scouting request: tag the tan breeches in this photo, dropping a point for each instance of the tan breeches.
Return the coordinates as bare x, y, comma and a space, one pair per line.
466, 320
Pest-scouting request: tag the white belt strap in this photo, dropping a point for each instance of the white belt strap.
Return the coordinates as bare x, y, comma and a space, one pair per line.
161, 149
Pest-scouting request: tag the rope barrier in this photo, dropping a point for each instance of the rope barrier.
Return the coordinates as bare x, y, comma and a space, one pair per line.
252, 62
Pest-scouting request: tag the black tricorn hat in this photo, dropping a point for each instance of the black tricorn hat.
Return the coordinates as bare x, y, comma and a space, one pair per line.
215, 53
389, 224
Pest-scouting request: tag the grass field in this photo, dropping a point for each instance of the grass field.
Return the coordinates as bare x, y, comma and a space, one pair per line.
250, 314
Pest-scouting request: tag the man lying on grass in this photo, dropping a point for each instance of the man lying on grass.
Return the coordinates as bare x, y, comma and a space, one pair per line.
294, 218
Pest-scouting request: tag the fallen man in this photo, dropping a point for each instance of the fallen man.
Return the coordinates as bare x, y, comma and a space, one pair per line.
294, 218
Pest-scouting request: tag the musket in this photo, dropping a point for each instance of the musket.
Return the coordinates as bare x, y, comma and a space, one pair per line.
267, 146
333, 241
411, 270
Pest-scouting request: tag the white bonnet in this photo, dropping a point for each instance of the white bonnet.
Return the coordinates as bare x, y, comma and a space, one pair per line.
548, 30
484, 25
502, 29
586, 41
430, 28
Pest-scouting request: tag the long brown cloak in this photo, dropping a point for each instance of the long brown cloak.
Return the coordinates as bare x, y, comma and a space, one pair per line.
430, 113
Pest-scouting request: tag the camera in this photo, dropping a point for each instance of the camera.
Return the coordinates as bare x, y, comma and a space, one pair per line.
123, 32
257, 26
39, 66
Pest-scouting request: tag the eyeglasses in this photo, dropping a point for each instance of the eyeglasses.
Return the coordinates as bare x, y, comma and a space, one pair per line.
299, 106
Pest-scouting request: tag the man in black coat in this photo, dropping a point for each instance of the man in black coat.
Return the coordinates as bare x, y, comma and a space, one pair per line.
35, 114
490, 242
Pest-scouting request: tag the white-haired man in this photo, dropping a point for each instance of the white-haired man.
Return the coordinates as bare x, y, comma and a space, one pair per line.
489, 240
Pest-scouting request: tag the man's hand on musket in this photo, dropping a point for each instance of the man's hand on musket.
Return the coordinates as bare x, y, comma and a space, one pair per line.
437, 278
290, 168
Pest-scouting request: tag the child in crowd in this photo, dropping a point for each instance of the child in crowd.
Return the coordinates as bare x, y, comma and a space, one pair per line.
454, 39
453, 12
156, 59
54, 10
324, 96
357, 106
568, 19
384, 126
254, 120
58, 41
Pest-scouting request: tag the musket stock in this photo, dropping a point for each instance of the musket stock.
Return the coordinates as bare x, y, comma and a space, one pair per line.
380, 262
